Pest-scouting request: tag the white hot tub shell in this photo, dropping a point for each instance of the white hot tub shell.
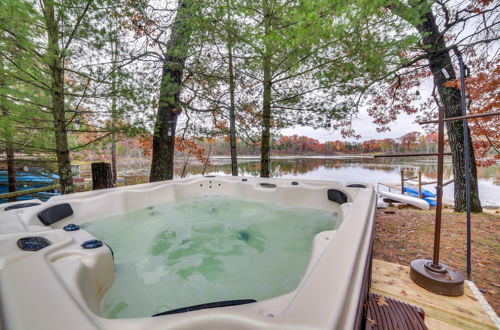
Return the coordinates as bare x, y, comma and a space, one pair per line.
62, 285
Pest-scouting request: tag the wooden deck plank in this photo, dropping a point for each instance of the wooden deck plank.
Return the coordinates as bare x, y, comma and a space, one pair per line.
438, 325
442, 312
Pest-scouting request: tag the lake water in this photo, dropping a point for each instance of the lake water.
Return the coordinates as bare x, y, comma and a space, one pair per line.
366, 170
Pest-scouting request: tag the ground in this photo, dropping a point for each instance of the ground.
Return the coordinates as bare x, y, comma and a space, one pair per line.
403, 235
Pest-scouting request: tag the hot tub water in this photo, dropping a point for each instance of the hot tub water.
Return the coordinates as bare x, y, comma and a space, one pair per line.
206, 249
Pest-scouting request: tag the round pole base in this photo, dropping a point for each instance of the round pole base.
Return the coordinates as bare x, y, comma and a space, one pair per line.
440, 280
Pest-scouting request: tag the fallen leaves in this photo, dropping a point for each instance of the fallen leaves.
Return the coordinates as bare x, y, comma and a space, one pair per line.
402, 244
381, 301
372, 322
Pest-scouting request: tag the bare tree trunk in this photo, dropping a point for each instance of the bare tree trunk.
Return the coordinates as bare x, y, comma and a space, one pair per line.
102, 177
232, 115
113, 157
9, 149
208, 158
57, 95
114, 114
183, 172
162, 165
266, 100
11, 170
440, 62
232, 88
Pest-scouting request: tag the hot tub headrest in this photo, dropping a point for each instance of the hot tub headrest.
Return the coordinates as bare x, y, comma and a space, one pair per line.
337, 196
55, 213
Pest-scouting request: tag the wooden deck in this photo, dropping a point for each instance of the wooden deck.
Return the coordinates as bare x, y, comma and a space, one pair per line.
441, 312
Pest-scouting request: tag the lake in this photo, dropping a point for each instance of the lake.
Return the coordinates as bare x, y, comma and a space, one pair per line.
343, 169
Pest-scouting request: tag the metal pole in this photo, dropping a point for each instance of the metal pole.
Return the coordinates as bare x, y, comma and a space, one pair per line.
402, 181
419, 184
439, 190
467, 159
477, 115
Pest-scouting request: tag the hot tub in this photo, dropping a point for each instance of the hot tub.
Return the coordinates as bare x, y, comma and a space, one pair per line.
61, 285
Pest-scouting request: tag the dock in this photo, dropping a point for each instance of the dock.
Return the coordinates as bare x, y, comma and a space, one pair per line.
441, 312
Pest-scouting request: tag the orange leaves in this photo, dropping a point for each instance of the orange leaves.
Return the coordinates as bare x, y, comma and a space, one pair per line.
409, 140
381, 301
477, 6
146, 144
398, 96
141, 25
483, 91
402, 95
221, 125
183, 145
190, 147
372, 322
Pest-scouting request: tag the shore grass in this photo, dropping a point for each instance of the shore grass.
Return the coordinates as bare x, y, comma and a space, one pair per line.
402, 235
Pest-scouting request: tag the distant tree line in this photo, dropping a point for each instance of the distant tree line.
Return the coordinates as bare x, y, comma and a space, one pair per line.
202, 148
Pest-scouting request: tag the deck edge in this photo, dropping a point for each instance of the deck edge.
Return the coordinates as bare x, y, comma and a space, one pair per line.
484, 303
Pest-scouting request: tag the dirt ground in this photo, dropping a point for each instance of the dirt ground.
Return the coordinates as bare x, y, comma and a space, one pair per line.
403, 235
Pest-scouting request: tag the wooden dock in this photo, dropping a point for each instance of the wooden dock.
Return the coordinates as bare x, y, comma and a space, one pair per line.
441, 312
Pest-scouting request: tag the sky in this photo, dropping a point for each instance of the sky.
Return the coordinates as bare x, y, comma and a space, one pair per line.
363, 126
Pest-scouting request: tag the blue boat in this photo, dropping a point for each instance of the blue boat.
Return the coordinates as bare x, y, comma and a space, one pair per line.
431, 202
27, 181
414, 192
426, 195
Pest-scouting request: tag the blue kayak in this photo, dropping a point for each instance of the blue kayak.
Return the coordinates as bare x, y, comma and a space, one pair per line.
27, 181
431, 202
414, 192
26, 177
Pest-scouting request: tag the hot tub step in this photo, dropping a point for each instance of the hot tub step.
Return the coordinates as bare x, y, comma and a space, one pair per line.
386, 313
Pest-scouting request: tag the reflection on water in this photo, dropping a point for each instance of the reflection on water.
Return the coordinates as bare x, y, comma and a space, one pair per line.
358, 169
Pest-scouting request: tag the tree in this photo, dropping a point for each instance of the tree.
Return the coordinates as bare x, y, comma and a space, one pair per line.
18, 135
409, 140
169, 108
439, 27
7, 135
482, 90
57, 49
55, 58
215, 90
299, 60
230, 28
316, 56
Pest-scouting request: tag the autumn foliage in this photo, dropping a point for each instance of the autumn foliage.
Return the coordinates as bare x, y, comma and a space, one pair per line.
483, 91
402, 95
183, 145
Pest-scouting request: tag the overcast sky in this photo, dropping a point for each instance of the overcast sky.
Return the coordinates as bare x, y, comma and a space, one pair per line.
363, 126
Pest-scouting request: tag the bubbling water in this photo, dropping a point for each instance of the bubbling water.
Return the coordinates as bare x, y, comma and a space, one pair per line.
206, 249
